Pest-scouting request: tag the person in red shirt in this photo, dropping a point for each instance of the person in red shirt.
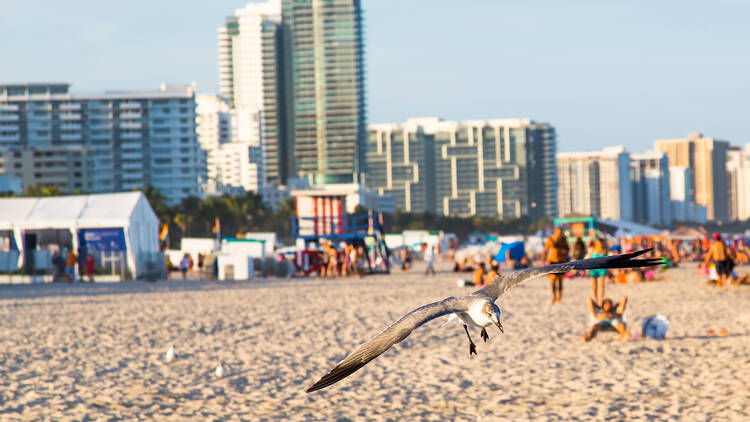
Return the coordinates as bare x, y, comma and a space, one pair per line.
90, 264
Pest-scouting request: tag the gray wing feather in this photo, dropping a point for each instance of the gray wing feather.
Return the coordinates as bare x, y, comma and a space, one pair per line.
393, 334
505, 282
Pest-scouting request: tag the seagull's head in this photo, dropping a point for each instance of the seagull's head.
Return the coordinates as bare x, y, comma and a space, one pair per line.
493, 313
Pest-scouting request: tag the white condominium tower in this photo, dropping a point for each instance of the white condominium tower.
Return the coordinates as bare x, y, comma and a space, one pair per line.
241, 64
250, 78
595, 183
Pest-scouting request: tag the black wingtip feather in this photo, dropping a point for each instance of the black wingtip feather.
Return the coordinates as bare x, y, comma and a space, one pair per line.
618, 261
337, 374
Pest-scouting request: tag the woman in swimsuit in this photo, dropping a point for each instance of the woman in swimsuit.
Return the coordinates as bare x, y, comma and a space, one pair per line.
597, 276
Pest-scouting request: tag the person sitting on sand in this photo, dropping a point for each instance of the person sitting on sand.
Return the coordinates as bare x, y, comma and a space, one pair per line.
489, 278
479, 275
607, 317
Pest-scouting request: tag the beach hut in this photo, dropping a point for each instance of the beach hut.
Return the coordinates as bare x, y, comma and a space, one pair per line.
106, 225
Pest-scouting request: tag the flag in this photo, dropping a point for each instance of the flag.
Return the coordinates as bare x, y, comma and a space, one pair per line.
164, 232
217, 227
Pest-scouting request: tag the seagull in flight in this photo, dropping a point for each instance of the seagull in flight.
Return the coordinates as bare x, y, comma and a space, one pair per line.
478, 310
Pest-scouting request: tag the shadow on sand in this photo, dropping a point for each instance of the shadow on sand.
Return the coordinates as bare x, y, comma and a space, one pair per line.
36, 291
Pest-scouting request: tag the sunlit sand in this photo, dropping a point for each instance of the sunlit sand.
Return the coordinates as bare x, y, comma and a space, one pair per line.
98, 352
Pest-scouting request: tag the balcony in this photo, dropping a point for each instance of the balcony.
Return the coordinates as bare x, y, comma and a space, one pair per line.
131, 115
70, 137
14, 137
70, 116
130, 145
132, 166
130, 155
70, 106
130, 125
130, 136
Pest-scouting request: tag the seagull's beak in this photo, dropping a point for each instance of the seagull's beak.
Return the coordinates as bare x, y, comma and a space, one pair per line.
496, 320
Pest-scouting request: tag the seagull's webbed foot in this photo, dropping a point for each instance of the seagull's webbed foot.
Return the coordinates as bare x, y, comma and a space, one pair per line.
484, 335
472, 346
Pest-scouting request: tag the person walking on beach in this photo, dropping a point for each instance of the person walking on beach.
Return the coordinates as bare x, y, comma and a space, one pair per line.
597, 276
721, 256
185, 265
429, 258
70, 264
556, 252
333, 261
90, 266
405, 258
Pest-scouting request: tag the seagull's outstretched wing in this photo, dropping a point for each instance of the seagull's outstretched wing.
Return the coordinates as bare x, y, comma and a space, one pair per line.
395, 332
504, 282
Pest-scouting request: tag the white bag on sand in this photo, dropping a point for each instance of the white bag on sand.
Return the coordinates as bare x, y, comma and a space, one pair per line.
655, 326
464, 283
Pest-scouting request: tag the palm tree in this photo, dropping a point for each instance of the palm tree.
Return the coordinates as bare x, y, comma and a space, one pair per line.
158, 203
37, 190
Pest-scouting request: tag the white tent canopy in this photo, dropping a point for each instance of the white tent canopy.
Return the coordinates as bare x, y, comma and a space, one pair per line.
129, 211
627, 228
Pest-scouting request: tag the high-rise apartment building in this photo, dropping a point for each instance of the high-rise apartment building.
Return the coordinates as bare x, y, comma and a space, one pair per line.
231, 165
401, 163
595, 183
251, 76
241, 70
649, 173
708, 159
738, 172
323, 50
134, 138
681, 193
66, 166
496, 168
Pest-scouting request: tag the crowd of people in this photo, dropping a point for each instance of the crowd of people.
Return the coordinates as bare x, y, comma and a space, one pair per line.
347, 261
73, 267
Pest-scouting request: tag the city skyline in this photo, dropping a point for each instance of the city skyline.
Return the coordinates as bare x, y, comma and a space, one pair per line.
637, 80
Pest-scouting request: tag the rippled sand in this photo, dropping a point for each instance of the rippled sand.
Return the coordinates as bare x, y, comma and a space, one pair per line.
97, 352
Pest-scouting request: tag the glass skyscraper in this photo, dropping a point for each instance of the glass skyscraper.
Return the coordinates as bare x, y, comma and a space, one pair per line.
323, 48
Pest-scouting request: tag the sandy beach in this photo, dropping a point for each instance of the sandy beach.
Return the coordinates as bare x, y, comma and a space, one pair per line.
96, 352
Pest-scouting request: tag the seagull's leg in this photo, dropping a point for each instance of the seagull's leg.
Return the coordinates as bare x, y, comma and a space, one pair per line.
484, 335
472, 346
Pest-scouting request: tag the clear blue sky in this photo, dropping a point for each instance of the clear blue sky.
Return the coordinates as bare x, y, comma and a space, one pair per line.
602, 72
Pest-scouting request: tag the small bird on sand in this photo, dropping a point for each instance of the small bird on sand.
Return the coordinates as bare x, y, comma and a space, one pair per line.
170, 355
221, 370
478, 310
